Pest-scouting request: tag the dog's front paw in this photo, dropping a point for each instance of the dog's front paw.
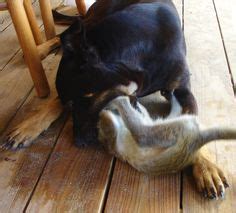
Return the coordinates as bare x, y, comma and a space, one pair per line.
210, 180
21, 136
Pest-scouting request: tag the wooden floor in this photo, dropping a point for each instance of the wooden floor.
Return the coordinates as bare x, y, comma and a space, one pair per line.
55, 176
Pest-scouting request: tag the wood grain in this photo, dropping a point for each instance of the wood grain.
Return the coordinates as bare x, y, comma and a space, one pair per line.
213, 89
74, 180
132, 191
227, 20
7, 52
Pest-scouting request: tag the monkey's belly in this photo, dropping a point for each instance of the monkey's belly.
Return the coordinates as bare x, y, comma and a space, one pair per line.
151, 160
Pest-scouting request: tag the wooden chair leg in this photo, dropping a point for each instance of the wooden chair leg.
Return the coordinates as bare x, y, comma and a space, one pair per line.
46, 12
33, 23
26, 39
81, 6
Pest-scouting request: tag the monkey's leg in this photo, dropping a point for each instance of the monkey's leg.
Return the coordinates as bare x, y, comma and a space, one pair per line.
145, 133
176, 108
35, 123
108, 127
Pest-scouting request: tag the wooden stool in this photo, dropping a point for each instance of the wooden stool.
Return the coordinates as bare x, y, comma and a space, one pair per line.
33, 46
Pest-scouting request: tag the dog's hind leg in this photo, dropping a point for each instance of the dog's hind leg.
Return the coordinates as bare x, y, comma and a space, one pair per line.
210, 180
187, 100
34, 124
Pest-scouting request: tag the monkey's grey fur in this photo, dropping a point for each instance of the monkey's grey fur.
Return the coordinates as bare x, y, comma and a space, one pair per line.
154, 146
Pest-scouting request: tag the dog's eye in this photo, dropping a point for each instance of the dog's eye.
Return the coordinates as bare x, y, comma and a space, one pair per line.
89, 95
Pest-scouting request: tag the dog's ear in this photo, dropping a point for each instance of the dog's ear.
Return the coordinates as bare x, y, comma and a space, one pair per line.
74, 43
74, 37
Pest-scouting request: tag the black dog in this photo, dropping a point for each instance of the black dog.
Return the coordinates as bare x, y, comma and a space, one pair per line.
118, 42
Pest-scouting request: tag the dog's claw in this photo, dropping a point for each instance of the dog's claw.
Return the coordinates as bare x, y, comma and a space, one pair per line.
205, 193
20, 145
226, 185
213, 194
8, 144
221, 193
15, 140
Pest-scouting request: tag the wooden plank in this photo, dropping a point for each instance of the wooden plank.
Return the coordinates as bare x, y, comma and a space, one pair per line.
19, 171
74, 180
227, 20
214, 93
7, 52
132, 191
5, 19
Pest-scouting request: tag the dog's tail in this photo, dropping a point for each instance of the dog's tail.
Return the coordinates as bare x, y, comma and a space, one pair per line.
216, 133
63, 19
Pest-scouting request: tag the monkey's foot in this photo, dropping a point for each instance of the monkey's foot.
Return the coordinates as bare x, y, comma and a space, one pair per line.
166, 94
210, 180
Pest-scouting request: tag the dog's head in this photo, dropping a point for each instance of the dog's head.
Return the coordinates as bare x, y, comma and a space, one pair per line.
81, 72
82, 76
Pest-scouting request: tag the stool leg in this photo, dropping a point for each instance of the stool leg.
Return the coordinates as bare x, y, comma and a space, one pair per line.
46, 11
26, 39
33, 22
81, 6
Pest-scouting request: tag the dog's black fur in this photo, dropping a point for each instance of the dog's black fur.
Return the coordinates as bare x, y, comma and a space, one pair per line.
119, 41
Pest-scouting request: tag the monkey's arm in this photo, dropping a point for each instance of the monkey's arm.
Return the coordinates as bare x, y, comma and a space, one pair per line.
176, 108
161, 133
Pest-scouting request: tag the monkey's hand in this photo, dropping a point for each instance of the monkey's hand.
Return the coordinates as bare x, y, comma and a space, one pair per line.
130, 89
119, 102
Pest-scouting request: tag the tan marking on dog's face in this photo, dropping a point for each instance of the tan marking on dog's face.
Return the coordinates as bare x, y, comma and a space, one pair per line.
89, 95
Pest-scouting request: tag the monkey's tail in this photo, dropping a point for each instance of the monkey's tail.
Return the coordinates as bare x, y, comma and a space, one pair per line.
216, 133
